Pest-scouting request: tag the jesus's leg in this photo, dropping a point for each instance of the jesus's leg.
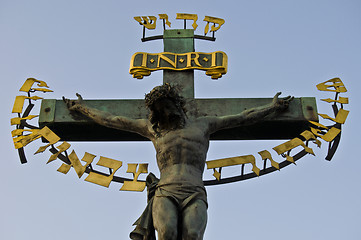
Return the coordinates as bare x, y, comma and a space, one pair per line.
165, 218
194, 220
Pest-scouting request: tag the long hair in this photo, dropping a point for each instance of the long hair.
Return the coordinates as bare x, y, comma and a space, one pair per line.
163, 91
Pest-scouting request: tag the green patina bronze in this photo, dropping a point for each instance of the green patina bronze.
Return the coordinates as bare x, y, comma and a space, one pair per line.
180, 41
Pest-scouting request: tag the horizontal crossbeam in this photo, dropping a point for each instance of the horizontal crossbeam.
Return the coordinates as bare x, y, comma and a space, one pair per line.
75, 127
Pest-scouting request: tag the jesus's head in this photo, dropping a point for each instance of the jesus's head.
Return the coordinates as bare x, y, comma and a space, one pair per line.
166, 107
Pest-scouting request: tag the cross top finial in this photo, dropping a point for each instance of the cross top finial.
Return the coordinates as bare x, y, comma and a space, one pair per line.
150, 22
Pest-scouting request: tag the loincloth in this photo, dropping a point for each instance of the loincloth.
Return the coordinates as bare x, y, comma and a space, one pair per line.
182, 194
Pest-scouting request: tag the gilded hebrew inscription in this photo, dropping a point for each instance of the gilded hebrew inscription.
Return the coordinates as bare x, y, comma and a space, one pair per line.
27, 86
340, 117
102, 179
62, 148
225, 162
286, 147
19, 103
149, 22
186, 16
135, 185
332, 85
267, 155
215, 21
165, 17
76, 164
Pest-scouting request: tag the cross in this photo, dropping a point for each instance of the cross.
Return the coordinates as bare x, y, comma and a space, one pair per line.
182, 212
70, 127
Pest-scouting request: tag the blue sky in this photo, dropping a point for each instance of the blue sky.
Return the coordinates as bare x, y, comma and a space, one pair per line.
86, 46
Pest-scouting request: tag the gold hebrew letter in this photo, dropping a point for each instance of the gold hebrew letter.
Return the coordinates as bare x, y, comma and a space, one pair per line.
76, 164
214, 20
329, 135
27, 86
341, 100
62, 148
19, 103
340, 117
225, 162
49, 135
293, 143
148, 22
165, 17
135, 185
267, 155
309, 136
336, 85
187, 16
21, 140
102, 179
17, 120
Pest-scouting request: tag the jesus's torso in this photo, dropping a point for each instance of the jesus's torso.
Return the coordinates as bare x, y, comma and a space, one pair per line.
181, 153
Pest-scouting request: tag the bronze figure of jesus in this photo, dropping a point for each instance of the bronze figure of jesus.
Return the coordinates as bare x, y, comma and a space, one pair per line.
178, 209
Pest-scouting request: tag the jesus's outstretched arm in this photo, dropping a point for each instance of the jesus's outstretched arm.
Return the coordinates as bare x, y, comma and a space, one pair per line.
140, 126
249, 116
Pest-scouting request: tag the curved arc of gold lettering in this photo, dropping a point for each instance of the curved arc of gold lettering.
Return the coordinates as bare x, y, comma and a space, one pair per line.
317, 130
23, 116
262, 172
333, 132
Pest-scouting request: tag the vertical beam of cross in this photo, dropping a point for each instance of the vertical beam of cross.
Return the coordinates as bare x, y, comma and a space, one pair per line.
180, 41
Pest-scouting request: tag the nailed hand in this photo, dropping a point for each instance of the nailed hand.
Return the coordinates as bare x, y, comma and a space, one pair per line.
73, 104
281, 104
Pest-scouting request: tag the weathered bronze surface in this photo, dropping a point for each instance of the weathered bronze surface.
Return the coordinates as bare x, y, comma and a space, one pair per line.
180, 41
178, 207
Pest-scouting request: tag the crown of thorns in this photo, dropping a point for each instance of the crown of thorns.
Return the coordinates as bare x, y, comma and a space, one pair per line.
164, 91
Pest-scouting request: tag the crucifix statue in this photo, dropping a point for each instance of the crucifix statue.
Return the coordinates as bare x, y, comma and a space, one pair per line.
179, 126
178, 208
